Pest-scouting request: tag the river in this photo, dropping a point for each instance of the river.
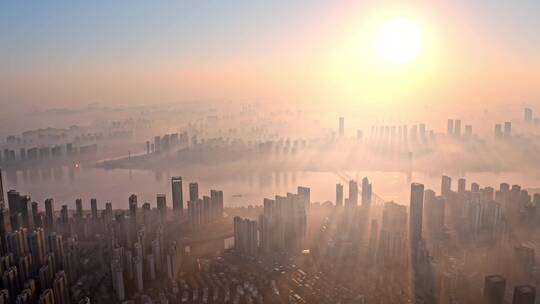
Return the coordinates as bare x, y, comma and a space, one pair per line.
67, 183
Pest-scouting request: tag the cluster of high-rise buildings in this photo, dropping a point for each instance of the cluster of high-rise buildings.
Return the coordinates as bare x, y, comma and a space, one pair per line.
529, 118
402, 134
478, 213
454, 129
416, 248
341, 131
205, 210
150, 258
503, 130
44, 153
200, 211
282, 148
166, 142
246, 236
280, 228
41, 259
142, 258
495, 289
37, 264
426, 245
40, 256
392, 241
478, 217
352, 200
398, 138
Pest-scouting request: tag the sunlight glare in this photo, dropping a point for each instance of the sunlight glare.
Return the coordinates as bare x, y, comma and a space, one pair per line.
398, 41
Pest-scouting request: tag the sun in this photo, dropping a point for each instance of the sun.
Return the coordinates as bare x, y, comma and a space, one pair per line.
398, 41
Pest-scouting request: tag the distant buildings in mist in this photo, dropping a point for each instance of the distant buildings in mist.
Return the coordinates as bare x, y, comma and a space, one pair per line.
456, 244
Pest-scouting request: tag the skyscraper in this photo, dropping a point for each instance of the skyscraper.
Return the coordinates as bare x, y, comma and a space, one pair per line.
145, 215
446, 185
528, 115
10, 280
4, 296
134, 218
15, 243
193, 192
117, 275
494, 287
304, 194
405, 134
60, 288
216, 201
133, 207
462, 185
283, 223
151, 267
157, 253
24, 204
339, 195
94, 209
415, 216
468, 131
393, 238
341, 126
45, 279
13, 201
49, 215
161, 206
353, 193
422, 131
498, 131
507, 129
64, 220
366, 192
37, 247
47, 297
206, 209
157, 143
2, 202
128, 261
434, 211
524, 294
245, 236
172, 261
177, 195
36, 219
139, 278
3, 226
56, 250
78, 209
450, 128
194, 212
457, 128
25, 297
108, 212
16, 221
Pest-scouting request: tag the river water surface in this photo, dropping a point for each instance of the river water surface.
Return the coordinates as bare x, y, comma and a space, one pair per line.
65, 184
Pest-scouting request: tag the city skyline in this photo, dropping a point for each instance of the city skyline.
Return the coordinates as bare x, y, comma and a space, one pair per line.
269, 152
283, 225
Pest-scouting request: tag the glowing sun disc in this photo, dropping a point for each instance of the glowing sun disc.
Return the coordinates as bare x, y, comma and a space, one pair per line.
398, 41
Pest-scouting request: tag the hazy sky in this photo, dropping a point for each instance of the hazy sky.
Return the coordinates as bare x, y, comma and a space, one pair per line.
58, 53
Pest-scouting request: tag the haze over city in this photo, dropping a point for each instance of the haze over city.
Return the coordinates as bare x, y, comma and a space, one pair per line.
269, 152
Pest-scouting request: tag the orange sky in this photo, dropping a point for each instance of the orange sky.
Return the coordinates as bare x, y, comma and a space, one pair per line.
324, 59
